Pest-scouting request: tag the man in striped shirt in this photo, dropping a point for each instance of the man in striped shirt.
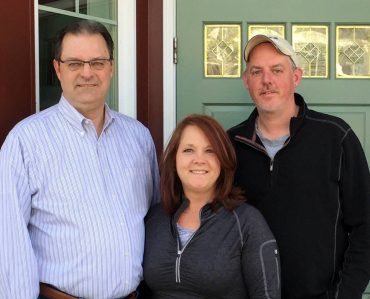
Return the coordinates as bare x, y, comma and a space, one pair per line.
76, 181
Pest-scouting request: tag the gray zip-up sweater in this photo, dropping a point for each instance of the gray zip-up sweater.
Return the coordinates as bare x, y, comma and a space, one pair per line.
233, 254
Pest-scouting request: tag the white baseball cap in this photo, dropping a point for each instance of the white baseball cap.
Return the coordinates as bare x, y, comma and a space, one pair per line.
282, 45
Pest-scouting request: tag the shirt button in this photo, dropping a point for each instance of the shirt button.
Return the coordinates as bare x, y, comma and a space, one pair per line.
82, 133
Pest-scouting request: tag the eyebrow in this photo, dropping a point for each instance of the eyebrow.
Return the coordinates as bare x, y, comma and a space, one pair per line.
79, 59
260, 67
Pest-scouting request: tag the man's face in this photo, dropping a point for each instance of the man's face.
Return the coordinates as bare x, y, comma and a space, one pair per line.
271, 79
85, 88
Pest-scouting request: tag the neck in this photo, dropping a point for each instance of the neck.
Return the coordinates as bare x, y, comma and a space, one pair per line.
273, 125
96, 115
190, 217
199, 199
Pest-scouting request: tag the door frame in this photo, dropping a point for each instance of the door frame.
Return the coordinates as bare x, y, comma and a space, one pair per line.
169, 69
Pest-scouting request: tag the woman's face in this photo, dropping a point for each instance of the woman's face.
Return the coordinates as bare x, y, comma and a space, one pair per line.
197, 165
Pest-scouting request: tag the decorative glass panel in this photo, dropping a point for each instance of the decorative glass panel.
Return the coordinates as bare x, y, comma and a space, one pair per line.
311, 45
352, 49
222, 43
278, 30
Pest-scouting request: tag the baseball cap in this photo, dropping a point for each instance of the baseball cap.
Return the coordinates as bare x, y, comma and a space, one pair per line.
282, 45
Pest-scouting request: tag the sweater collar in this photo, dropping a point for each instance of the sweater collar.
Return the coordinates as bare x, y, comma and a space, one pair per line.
205, 212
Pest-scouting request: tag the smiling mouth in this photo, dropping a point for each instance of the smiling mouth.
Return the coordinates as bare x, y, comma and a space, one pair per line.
265, 92
86, 85
199, 171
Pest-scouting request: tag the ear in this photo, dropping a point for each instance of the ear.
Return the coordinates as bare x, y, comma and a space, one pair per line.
245, 79
297, 76
112, 69
56, 65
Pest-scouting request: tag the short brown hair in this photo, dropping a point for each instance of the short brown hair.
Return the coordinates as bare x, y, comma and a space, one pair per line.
170, 186
80, 27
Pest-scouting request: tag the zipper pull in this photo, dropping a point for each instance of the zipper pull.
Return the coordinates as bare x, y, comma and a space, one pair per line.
271, 165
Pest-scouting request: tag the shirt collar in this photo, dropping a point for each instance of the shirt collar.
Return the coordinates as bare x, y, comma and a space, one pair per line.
76, 119
108, 117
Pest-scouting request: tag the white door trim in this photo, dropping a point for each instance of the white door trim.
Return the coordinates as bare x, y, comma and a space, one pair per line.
169, 69
126, 52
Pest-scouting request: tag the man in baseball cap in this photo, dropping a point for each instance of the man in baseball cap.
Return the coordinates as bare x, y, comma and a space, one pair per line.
307, 173
282, 45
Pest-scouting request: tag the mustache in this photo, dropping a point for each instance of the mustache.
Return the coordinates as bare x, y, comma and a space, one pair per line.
268, 90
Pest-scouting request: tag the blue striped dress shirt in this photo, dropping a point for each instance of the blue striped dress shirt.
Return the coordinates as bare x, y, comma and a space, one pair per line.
72, 204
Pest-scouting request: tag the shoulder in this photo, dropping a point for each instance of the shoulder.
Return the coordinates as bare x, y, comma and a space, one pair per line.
128, 122
252, 225
157, 221
239, 128
132, 130
250, 218
30, 128
155, 213
131, 126
248, 212
328, 121
244, 128
35, 121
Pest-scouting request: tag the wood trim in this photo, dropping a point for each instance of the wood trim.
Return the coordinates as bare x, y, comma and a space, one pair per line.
150, 67
17, 73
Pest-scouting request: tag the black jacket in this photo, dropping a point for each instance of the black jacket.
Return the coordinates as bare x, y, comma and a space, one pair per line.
232, 255
315, 196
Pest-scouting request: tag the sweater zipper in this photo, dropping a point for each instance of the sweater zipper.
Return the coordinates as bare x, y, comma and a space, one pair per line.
179, 254
277, 268
180, 251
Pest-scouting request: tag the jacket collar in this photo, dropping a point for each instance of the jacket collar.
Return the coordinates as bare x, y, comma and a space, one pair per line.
247, 128
297, 122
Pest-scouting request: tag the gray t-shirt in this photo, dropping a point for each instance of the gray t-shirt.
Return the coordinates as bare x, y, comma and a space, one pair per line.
272, 146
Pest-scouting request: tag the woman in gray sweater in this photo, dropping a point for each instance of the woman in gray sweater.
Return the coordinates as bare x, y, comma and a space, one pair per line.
203, 240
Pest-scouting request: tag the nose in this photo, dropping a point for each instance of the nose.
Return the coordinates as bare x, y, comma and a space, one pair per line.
267, 77
199, 159
86, 71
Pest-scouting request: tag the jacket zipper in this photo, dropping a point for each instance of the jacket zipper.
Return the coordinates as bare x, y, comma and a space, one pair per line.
261, 149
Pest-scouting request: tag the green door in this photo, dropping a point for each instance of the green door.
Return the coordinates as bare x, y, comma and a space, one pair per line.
332, 39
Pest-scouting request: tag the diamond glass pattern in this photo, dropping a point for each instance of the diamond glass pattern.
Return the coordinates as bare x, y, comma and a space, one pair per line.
311, 45
222, 46
352, 52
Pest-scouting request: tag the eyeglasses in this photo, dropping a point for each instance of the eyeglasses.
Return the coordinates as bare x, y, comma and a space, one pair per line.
95, 64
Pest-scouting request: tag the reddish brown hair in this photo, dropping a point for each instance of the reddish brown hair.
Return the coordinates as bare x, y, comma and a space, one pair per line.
170, 186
